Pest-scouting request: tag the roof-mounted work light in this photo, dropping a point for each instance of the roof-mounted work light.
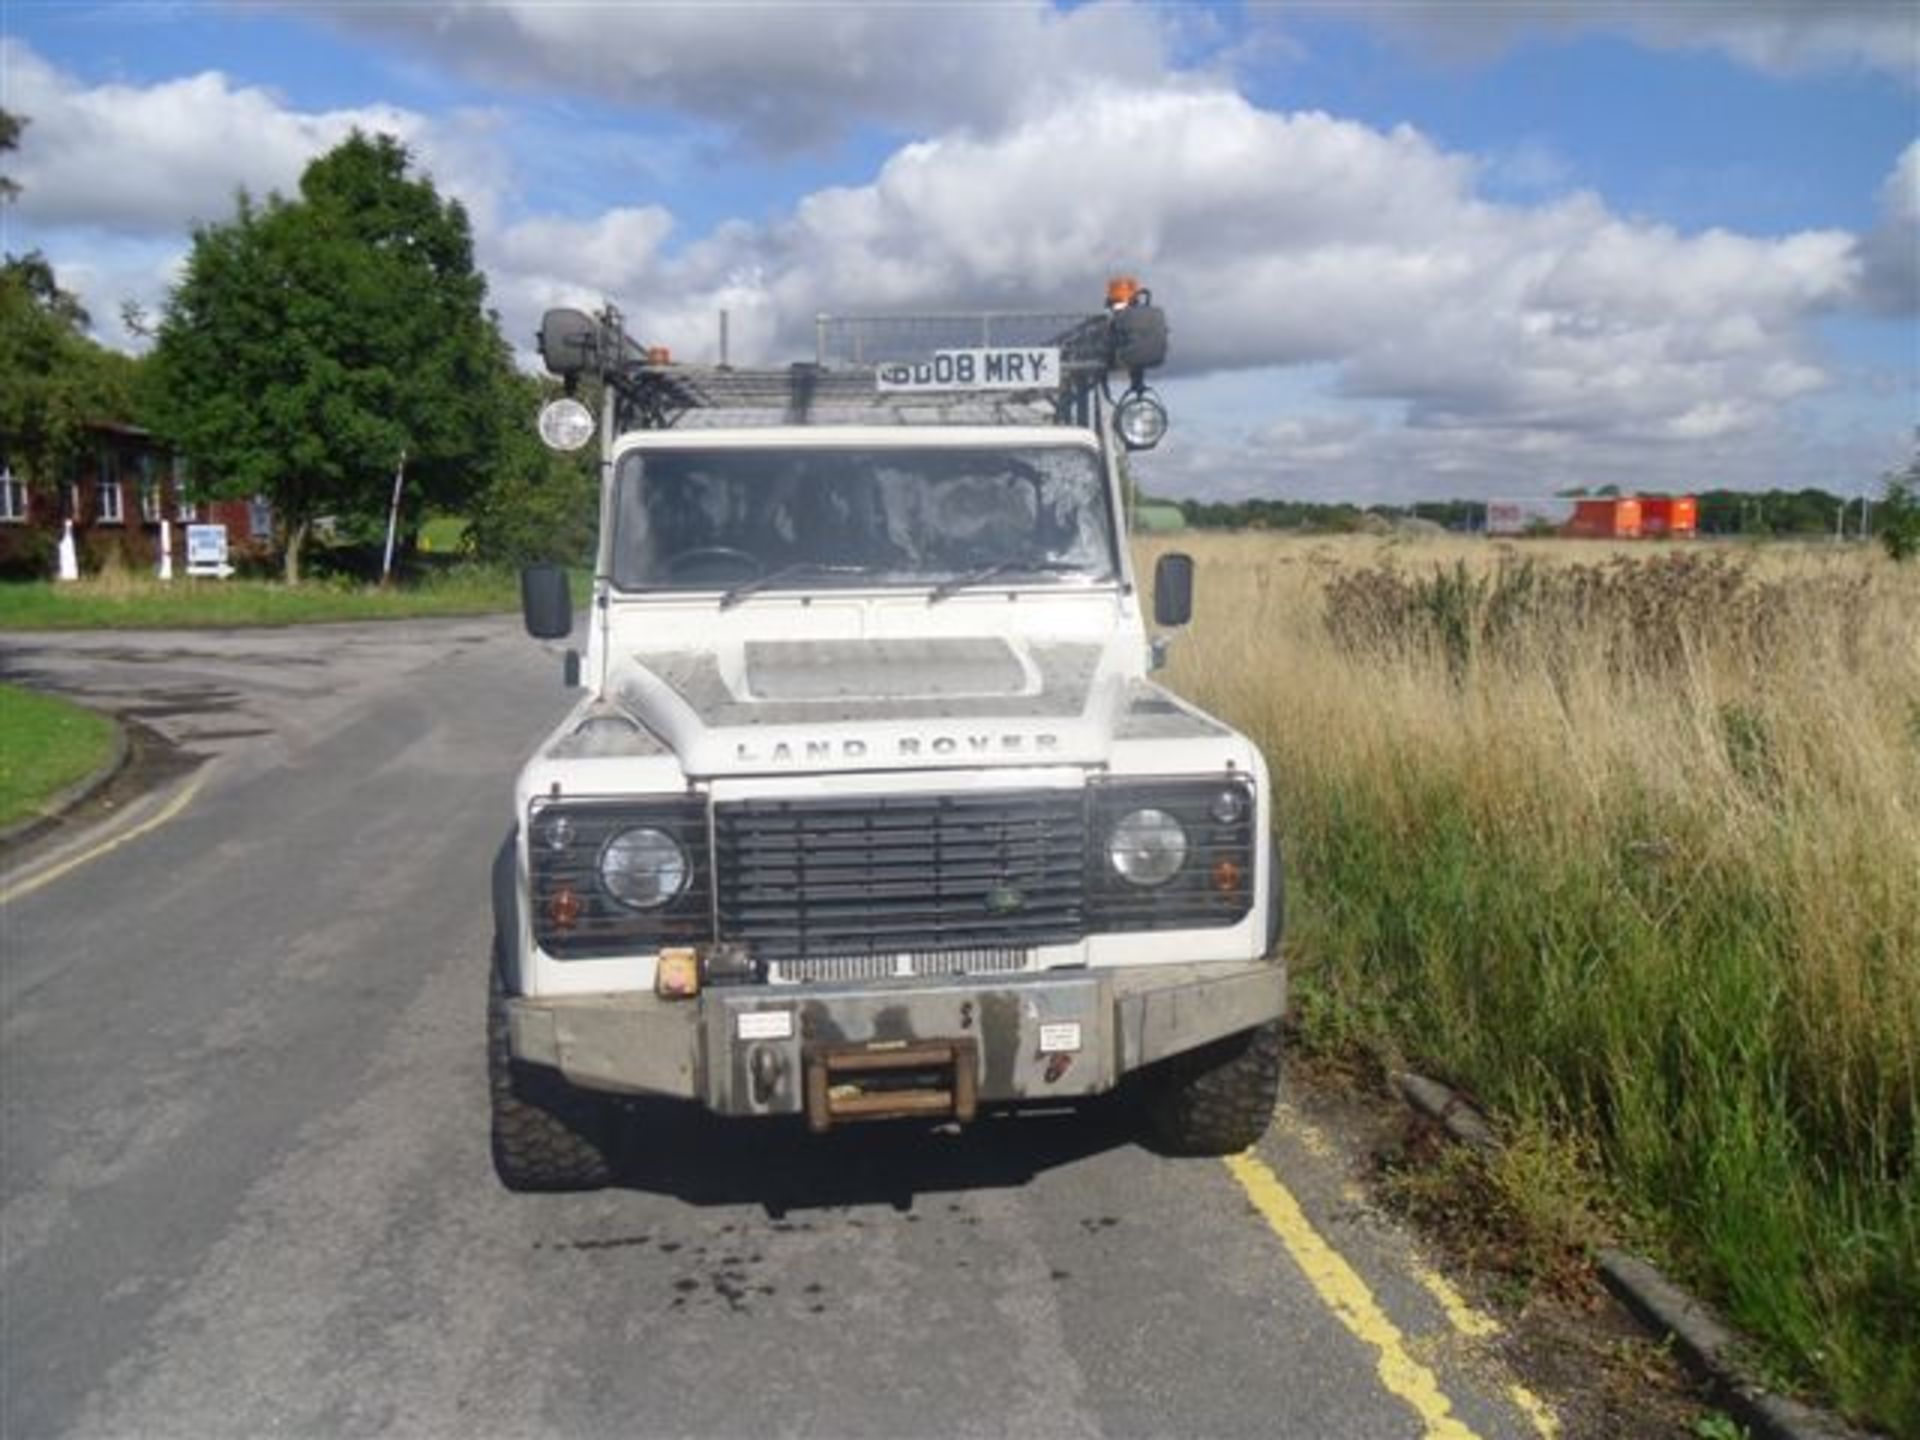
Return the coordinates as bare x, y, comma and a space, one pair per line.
1140, 419
565, 424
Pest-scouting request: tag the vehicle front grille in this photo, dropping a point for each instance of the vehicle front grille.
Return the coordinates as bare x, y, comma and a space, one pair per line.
826, 881
916, 964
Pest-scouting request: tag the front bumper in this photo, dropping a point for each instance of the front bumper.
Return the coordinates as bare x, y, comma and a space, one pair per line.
746, 1050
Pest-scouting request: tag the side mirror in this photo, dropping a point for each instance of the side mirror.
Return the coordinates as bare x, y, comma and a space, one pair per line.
1173, 590
546, 604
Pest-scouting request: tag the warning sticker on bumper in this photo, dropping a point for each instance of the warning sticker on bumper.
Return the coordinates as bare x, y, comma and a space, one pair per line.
1062, 1038
766, 1025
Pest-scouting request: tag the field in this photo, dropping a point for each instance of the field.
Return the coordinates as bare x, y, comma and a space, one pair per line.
1627, 844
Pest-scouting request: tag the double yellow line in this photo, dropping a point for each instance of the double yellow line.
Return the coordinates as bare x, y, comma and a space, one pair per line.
52, 873
1340, 1287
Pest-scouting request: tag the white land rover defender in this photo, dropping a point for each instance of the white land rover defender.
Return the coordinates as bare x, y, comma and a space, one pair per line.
870, 808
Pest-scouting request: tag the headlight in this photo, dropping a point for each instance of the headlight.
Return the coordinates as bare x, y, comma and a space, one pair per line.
643, 868
565, 424
1141, 420
1147, 847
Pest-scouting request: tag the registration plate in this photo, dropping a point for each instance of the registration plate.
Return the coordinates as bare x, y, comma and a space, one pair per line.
1004, 368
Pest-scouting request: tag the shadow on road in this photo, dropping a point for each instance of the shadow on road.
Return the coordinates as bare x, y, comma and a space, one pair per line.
681, 1151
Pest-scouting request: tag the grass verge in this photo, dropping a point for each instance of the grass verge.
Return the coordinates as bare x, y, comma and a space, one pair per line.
45, 746
1628, 849
123, 602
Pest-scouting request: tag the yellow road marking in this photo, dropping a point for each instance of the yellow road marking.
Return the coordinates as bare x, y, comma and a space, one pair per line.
152, 822
1472, 1323
1545, 1423
1347, 1295
1476, 1324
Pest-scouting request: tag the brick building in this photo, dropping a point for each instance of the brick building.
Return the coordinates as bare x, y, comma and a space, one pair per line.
123, 485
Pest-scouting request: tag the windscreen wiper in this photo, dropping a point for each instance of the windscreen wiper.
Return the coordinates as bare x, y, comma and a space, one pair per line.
1002, 567
787, 572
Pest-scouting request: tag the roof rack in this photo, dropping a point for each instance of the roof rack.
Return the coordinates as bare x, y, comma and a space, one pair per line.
843, 383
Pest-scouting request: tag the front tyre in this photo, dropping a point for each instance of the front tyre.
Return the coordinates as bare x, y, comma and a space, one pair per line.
1219, 1099
547, 1134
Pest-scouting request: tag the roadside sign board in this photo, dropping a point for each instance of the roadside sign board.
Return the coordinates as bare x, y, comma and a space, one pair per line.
1020, 367
207, 551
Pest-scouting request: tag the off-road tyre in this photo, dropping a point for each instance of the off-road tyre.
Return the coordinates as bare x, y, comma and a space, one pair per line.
547, 1134
1219, 1099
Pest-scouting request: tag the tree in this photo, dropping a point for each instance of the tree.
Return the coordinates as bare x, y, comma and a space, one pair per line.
315, 340
533, 504
54, 380
1899, 517
10, 127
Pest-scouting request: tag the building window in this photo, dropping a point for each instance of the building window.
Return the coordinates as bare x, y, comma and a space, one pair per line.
106, 490
260, 518
183, 508
13, 497
149, 491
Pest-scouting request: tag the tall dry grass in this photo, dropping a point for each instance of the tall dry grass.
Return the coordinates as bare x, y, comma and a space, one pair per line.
1627, 842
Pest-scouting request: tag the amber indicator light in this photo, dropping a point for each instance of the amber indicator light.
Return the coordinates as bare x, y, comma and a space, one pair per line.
1226, 877
563, 909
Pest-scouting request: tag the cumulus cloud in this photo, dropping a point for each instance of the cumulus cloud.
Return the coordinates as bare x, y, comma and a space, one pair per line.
1457, 341
1272, 238
1890, 252
158, 159
785, 75
1778, 37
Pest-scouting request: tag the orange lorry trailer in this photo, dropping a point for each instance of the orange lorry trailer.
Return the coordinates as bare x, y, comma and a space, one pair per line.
1607, 518
1674, 517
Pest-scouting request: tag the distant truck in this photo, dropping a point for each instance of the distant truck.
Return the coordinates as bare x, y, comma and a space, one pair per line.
870, 807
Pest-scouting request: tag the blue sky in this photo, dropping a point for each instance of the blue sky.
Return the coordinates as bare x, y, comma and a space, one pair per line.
1408, 251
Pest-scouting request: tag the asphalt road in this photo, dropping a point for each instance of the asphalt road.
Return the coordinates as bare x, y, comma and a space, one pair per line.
244, 1184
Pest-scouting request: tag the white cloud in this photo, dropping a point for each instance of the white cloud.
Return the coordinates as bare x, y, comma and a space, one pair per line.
1778, 37
786, 75
1455, 341
1272, 239
1890, 252
158, 159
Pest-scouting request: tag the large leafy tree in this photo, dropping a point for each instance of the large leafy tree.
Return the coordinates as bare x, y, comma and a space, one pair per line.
53, 378
315, 340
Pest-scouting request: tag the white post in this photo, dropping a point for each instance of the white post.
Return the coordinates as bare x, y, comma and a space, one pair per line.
393, 516
69, 557
166, 548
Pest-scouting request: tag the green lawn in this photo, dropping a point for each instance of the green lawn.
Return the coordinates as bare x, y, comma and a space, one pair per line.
146, 604
45, 746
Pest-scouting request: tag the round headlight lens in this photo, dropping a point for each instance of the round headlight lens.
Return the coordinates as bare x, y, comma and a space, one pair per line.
643, 868
1141, 420
1147, 847
565, 424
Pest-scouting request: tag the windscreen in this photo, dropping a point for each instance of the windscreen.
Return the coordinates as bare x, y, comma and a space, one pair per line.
705, 519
